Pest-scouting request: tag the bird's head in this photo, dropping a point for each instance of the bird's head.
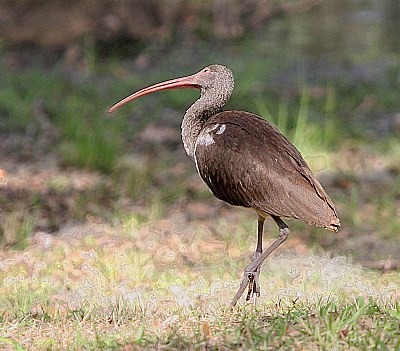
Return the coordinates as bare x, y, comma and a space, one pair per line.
215, 82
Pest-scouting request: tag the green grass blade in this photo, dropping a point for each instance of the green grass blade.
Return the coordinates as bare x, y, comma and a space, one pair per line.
13, 343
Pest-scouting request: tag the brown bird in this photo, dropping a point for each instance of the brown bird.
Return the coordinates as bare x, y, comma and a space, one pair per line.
247, 162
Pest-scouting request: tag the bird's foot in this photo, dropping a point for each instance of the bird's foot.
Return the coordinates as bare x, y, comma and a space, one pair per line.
254, 285
250, 280
252, 271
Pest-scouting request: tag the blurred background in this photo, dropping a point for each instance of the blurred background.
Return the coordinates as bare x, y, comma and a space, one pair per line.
326, 72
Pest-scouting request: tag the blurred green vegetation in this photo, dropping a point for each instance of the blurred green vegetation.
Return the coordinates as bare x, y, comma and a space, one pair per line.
89, 139
323, 113
328, 79
320, 117
330, 101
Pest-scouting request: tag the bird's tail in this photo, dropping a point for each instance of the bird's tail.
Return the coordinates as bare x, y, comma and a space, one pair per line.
335, 224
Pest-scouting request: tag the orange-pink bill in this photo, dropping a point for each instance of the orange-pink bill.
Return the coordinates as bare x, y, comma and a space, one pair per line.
179, 83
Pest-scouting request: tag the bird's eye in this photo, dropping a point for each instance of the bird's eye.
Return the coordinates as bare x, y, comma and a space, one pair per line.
206, 70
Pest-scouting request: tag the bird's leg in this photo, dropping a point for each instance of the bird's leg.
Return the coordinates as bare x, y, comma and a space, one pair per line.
254, 286
251, 269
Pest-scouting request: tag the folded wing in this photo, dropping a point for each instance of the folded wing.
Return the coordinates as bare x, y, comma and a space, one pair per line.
247, 162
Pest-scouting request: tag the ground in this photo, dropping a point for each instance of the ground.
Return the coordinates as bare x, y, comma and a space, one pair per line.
157, 275
111, 241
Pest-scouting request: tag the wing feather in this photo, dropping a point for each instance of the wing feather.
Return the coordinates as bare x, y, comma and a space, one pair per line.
251, 164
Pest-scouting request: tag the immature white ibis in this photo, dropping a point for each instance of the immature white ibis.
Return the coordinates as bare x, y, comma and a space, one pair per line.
247, 162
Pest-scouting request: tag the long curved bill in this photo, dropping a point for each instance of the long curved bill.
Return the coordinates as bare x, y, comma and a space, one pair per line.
179, 83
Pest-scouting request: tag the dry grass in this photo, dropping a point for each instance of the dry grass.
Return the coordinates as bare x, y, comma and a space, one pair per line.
152, 283
166, 286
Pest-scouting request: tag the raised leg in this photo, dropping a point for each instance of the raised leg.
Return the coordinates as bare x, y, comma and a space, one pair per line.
250, 271
254, 286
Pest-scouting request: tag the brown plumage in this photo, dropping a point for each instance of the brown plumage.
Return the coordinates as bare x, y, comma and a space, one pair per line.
247, 162
276, 181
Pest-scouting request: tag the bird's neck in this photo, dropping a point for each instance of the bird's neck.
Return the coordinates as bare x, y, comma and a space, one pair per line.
193, 122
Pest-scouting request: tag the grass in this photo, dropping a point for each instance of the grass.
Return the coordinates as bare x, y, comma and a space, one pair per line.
311, 140
16, 228
156, 279
77, 110
106, 292
314, 141
85, 138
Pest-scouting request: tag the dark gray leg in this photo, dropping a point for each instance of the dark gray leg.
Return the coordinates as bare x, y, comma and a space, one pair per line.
254, 287
250, 272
